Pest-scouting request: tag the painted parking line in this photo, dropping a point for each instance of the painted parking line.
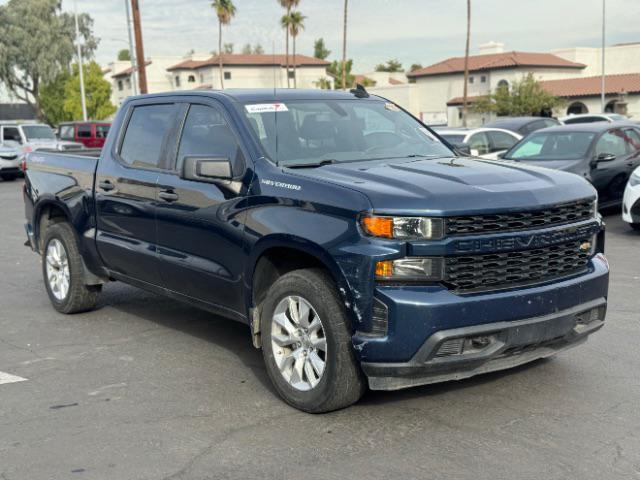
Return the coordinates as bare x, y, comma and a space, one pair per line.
8, 378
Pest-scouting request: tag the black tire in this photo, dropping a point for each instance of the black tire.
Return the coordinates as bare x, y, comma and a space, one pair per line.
8, 177
342, 382
635, 226
80, 297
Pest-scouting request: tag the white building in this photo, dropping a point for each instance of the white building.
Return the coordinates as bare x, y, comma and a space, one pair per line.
435, 92
201, 71
247, 71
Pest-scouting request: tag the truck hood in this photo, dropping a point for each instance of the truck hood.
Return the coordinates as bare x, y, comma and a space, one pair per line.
453, 186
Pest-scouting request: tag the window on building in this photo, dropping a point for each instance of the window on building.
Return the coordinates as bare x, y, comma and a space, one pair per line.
142, 144
128, 82
292, 74
206, 132
227, 75
201, 78
84, 131
177, 80
483, 79
471, 80
503, 84
120, 85
191, 79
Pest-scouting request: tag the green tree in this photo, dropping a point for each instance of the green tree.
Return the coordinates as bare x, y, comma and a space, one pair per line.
227, 48
258, 50
288, 5
525, 97
294, 22
124, 55
391, 66
336, 71
36, 44
52, 99
97, 94
320, 50
247, 49
415, 66
225, 11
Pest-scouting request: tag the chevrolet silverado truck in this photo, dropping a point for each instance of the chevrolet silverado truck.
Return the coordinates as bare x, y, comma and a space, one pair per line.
360, 250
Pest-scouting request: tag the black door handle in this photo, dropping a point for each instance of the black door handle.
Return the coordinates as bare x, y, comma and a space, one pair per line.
168, 196
107, 186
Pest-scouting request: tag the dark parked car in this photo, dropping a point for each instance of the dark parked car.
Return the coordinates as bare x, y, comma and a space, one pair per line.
90, 134
357, 247
603, 153
523, 125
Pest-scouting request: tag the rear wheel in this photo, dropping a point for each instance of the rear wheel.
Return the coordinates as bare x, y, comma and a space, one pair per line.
635, 226
306, 343
63, 272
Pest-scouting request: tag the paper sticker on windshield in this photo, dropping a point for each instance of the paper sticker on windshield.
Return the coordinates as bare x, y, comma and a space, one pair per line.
427, 133
391, 106
266, 107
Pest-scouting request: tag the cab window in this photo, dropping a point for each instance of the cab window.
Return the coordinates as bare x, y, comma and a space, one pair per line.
480, 143
146, 130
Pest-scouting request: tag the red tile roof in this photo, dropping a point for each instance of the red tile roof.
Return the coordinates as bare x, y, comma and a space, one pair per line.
495, 61
580, 87
393, 81
249, 60
128, 71
591, 86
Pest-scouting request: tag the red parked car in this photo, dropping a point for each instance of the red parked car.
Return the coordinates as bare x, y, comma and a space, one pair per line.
90, 134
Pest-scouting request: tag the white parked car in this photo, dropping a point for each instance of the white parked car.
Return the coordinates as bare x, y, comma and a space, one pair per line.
28, 137
9, 162
593, 118
631, 201
483, 142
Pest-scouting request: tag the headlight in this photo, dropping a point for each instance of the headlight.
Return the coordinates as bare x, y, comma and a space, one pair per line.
635, 178
403, 228
411, 269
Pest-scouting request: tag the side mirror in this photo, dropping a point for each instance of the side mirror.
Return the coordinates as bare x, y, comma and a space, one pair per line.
501, 154
206, 169
462, 149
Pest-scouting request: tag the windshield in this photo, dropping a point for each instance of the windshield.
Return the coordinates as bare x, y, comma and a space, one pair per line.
38, 132
552, 146
453, 139
308, 132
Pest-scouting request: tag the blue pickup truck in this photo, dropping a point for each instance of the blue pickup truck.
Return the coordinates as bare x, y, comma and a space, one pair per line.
358, 247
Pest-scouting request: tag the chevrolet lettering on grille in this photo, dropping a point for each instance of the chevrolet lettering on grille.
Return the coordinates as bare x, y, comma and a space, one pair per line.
523, 242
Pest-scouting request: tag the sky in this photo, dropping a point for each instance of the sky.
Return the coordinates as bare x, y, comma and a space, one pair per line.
413, 31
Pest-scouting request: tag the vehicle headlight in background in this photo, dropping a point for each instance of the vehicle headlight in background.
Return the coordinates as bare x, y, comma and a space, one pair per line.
411, 269
634, 179
403, 228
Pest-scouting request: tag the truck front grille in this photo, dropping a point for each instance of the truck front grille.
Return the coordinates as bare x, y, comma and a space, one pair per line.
509, 222
468, 273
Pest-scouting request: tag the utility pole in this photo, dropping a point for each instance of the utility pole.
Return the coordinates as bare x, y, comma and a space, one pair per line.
602, 95
132, 52
137, 29
79, 47
344, 48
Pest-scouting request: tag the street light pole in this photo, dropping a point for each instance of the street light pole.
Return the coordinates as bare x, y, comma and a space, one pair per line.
78, 45
132, 52
137, 30
602, 92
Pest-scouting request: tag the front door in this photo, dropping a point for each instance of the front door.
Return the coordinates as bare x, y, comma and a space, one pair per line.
610, 178
126, 193
200, 225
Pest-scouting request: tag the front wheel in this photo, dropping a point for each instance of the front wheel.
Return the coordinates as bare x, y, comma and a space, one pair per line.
63, 272
635, 226
306, 343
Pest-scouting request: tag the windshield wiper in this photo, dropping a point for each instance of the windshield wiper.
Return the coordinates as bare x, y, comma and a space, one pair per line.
321, 163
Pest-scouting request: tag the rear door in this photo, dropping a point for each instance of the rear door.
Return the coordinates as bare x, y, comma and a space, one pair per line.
610, 177
200, 225
126, 191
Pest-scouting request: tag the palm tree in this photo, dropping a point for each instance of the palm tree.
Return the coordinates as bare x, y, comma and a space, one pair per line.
225, 10
344, 48
288, 5
296, 25
465, 108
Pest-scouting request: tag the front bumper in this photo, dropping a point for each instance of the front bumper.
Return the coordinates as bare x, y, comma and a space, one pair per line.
508, 344
526, 323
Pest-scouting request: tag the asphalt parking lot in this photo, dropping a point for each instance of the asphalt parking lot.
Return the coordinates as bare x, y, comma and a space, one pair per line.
147, 388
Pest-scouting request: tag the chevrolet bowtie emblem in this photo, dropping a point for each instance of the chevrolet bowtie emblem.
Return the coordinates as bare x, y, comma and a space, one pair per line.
585, 246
